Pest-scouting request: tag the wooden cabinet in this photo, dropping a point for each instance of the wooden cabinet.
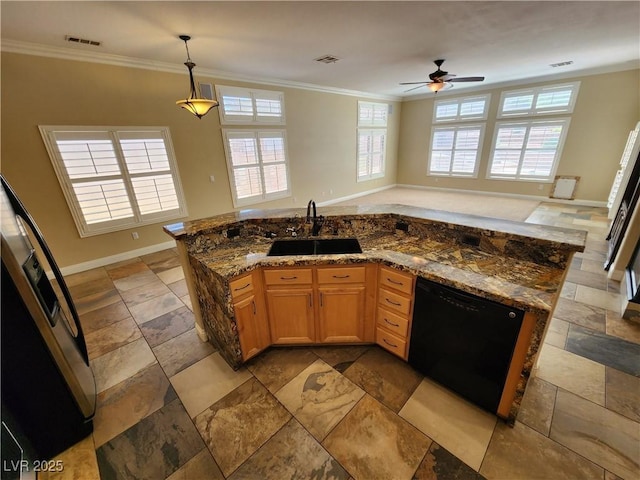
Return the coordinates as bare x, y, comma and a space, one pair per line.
341, 304
395, 308
248, 307
321, 304
290, 305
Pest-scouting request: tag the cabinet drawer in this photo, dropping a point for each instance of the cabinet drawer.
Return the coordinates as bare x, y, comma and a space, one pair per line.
396, 280
341, 275
289, 276
241, 286
390, 342
394, 301
393, 322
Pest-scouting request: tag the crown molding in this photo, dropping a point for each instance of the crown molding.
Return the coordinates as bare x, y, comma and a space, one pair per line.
26, 48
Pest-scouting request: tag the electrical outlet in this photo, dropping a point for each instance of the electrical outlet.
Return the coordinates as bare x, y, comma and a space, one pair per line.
233, 232
540, 187
212, 178
135, 235
402, 226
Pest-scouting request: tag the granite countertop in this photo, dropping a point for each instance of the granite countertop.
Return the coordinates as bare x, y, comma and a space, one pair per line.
511, 279
507, 280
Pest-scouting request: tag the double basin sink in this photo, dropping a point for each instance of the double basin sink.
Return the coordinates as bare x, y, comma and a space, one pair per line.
320, 246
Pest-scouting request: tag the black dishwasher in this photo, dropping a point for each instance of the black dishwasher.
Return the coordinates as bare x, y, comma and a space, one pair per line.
463, 342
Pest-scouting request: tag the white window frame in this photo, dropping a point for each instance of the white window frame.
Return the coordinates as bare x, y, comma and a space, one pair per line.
518, 176
371, 126
113, 134
535, 93
255, 114
255, 134
459, 104
456, 129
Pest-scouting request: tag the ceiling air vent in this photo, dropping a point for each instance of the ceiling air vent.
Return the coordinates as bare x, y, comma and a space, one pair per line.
84, 41
327, 59
561, 64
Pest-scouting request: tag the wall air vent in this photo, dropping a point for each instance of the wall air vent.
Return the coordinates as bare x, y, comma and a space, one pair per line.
84, 41
561, 64
327, 59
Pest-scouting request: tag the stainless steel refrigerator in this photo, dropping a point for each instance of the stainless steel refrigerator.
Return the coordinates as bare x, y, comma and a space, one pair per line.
48, 388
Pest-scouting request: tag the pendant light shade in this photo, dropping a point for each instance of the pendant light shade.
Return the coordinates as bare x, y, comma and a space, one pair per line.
194, 104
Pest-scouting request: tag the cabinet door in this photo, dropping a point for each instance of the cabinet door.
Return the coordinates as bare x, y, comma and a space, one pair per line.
291, 315
252, 327
342, 313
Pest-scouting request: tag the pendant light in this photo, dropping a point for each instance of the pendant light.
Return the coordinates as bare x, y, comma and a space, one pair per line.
194, 104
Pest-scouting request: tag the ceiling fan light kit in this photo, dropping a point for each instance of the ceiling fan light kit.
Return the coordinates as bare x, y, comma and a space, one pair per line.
194, 103
441, 80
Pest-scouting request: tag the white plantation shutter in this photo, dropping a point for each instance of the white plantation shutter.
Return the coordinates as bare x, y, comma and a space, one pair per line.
258, 165
461, 109
548, 100
372, 141
527, 150
250, 106
455, 150
372, 114
115, 178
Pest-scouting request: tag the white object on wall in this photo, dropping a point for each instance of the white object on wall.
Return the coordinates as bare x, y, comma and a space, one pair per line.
564, 187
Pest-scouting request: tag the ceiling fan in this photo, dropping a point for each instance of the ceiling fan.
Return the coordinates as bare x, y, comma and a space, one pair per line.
441, 80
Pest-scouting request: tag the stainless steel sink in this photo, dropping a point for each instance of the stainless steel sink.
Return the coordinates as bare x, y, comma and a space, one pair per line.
321, 246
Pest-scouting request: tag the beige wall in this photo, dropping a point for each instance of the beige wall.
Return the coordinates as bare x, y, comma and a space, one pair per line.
607, 108
321, 136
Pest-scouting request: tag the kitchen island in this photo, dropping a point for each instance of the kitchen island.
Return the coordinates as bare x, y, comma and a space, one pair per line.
512, 263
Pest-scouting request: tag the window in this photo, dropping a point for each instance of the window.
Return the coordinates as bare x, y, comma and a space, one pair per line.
372, 140
248, 106
258, 166
553, 99
115, 178
455, 150
256, 158
456, 110
527, 150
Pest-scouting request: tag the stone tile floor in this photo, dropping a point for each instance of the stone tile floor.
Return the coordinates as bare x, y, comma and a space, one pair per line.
170, 408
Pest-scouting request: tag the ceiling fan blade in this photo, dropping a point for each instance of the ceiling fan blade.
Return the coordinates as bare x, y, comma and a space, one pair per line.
415, 88
447, 77
412, 83
467, 79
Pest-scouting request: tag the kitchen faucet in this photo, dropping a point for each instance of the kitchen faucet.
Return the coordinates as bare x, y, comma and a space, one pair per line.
317, 221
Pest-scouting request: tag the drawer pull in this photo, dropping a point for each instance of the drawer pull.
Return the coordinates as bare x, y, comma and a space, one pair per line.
389, 343
241, 288
321, 299
391, 323
397, 304
341, 276
254, 306
391, 280
288, 278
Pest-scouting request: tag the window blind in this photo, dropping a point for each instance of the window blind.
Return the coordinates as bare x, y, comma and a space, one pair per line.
115, 179
258, 165
455, 150
527, 150
547, 100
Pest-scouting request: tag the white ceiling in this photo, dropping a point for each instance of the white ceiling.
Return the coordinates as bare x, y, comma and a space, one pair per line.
379, 43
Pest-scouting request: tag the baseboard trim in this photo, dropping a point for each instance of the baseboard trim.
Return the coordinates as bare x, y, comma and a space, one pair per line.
101, 262
577, 201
